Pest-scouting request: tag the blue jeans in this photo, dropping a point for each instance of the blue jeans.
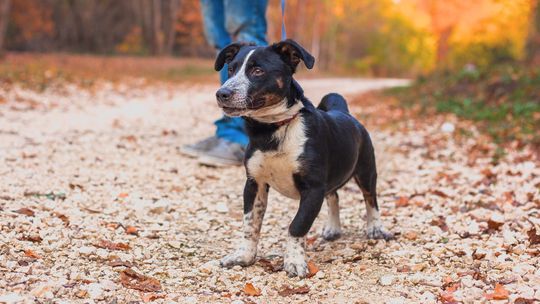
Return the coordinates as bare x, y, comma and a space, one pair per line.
226, 21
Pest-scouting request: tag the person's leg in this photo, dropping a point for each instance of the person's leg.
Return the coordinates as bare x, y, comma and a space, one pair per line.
245, 20
213, 13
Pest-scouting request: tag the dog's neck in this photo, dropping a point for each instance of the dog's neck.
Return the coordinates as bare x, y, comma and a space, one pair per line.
285, 111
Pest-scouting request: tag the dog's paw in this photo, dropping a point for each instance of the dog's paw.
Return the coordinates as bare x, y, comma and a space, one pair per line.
377, 232
240, 257
331, 233
295, 268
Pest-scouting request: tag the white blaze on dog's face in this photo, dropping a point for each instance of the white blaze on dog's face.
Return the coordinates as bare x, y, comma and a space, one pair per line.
259, 82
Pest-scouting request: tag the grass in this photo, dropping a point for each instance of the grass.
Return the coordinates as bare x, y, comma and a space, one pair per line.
504, 100
39, 71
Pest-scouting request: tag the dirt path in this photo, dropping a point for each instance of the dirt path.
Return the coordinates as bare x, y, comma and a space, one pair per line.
94, 166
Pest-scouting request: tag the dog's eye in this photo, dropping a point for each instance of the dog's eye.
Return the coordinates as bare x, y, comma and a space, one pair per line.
230, 70
257, 72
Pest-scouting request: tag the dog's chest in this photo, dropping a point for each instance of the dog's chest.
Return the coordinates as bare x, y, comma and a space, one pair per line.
277, 167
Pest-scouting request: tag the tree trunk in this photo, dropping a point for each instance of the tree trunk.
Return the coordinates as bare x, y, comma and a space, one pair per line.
4, 16
533, 40
157, 34
169, 26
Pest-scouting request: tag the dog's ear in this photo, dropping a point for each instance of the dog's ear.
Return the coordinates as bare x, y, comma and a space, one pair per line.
292, 52
227, 54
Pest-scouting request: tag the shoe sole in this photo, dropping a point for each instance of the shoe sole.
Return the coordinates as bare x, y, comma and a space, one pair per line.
190, 152
217, 162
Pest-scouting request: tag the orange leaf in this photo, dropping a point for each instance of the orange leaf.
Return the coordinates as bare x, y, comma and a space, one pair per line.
499, 293
287, 291
31, 254
251, 290
112, 246
62, 217
402, 201
25, 211
313, 269
447, 297
132, 230
311, 240
149, 297
131, 279
533, 237
123, 195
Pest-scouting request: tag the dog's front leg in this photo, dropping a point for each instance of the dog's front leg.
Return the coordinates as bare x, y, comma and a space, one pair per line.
255, 200
311, 200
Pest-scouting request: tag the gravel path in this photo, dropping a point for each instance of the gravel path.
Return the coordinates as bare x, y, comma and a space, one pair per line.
94, 194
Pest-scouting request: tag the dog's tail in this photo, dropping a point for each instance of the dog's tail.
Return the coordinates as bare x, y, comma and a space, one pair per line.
333, 102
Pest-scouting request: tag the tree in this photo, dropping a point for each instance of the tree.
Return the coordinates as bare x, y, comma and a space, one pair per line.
4, 14
533, 40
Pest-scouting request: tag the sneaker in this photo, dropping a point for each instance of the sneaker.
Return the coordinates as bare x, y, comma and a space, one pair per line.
198, 148
225, 153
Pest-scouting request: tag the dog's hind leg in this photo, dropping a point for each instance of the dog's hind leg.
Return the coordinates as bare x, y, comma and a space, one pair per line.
332, 229
366, 177
255, 201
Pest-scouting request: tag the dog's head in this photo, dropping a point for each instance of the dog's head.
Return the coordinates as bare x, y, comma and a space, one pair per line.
259, 77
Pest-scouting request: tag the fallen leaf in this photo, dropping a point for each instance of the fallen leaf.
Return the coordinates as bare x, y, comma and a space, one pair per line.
499, 293
447, 297
118, 262
404, 268
31, 254
524, 301
123, 195
311, 240
440, 193
62, 217
132, 230
133, 280
493, 225
251, 290
25, 211
402, 201
269, 266
411, 235
32, 238
533, 237
112, 246
287, 291
440, 222
312, 268
149, 297
81, 294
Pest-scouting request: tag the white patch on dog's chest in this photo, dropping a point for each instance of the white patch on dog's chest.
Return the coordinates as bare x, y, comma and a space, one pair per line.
277, 167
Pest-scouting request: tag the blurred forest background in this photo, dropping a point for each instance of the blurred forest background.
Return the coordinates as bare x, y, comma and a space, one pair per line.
369, 37
477, 59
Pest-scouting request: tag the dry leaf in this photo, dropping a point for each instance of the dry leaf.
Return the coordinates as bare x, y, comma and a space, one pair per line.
440, 193
123, 195
31, 254
269, 266
287, 291
533, 237
313, 269
112, 246
149, 297
311, 240
133, 280
32, 238
524, 301
118, 262
411, 235
499, 293
447, 297
251, 290
440, 222
62, 217
402, 201
132, 230
25, 211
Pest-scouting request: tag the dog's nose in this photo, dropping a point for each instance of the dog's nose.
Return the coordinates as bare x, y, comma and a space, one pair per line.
224, 94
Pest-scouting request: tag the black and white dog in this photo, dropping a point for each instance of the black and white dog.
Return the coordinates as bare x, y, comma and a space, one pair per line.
303, 152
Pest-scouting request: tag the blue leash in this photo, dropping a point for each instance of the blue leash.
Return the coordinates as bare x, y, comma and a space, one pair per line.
283, 31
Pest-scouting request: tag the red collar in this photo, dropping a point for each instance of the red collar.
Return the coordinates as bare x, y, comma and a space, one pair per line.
286, 121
